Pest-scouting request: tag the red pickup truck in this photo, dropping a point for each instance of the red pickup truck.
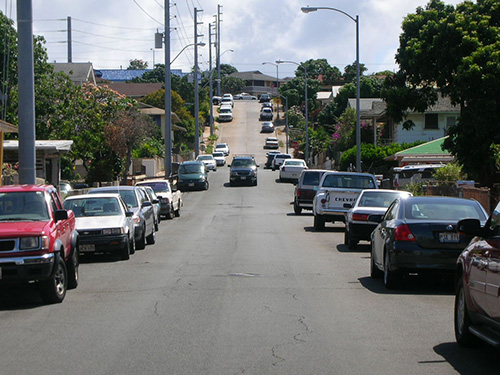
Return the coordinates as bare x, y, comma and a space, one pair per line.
38, 240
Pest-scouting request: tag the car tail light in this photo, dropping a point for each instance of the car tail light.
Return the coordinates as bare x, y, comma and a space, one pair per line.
283, 168
403, 233
298, 192
360, 217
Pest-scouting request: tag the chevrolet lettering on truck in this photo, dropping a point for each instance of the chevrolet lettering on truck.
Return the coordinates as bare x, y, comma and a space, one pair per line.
38, 240
335, 194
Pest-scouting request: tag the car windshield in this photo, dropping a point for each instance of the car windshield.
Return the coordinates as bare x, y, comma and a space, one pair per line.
295, 162
158, 187
205, 157
218, 154
243, 163
23, 206
452, 210
220, 145
190, 168
90, 206
348, 181
128, 196
377, 199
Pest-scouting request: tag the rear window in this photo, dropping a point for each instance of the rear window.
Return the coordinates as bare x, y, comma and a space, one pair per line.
312, 178
158, 187
451, 211
348, 181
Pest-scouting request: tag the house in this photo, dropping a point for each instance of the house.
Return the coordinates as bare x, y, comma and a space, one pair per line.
124, 75
79, 73
257, 83
417, 126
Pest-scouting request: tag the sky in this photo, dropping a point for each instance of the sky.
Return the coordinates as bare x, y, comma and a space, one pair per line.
110, 33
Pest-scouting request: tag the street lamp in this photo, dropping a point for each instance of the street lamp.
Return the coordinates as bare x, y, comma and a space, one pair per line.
306, 104
277, 88
358, 122
200, 44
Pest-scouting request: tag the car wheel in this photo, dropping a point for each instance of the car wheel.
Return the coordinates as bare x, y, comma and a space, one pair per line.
125, 252
319, 222
296, 208
206, 185
375, 272
132, 245
72, 268
255, 183
349, 241
178, 211
151, 239
141, 244
53, 290
462, 320
156, 225
391, 278
171, 213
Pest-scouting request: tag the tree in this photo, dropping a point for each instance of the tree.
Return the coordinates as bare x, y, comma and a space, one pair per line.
232, 85
137, 64
294, 91
157, 74
226, 69
454, 52
127, 131
320, 70
350, 71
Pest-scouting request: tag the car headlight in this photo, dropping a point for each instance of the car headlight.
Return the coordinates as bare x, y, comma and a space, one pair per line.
29, 243
109, 231
136, 219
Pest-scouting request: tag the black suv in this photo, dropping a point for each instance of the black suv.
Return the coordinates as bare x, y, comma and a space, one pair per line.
304, 190
264, 98
243, 170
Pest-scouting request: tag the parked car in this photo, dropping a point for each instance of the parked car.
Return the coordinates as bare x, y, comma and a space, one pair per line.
266, 114
208, 160
170, 197
216, 100
155, 201
305, 189
136, 200
243, 170
104, 224
278, 160
369, 202
193, 175
227, 99
419, 234
223, 147
271, 142
244, 96
336, 189
291, 169
270, 156
477, 302
267, 127
220, 158
39, 240
225, 113
264, 98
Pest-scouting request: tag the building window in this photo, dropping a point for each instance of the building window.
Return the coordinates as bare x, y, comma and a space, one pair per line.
431, 121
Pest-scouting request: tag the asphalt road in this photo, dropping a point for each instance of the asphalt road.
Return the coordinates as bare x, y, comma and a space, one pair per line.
238, 285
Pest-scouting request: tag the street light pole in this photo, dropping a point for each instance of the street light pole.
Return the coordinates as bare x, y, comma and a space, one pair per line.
306, 104
286, 122
277, 88
358, 111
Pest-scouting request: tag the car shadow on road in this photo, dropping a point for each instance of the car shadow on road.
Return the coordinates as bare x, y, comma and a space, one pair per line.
327, 229
468, 361
100, 258
19, 297
360, 248
412, 284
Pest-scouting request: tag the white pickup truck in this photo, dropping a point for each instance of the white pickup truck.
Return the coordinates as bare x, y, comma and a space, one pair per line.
336, 193
170, 198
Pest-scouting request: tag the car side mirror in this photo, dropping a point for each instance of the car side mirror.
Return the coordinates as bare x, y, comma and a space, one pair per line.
60, 215
471, 227
258, 165
156, 201
129, 213
147, 204
229, 165
376, 218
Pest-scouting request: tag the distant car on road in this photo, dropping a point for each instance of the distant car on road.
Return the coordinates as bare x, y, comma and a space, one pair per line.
244, 96
270, 156
267, 127
477, 302
369, 202
264, 98
208, 160
291, 169
220, 158
216, 100
272, 142
419, 234
243, 170
170, 197
278, 160
222, 147
225, 113
193, 175
266, 114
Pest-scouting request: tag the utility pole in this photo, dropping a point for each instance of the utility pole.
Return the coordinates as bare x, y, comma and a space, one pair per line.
196, 86
26, 72
210, 72
168, 94
70, 52
219, 13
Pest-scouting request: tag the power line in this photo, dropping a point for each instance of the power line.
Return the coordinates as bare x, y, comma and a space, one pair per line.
146, 13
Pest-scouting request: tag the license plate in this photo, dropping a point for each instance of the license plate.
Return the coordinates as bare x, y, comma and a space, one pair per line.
191, 184
449, 237
87, 248
243, 178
